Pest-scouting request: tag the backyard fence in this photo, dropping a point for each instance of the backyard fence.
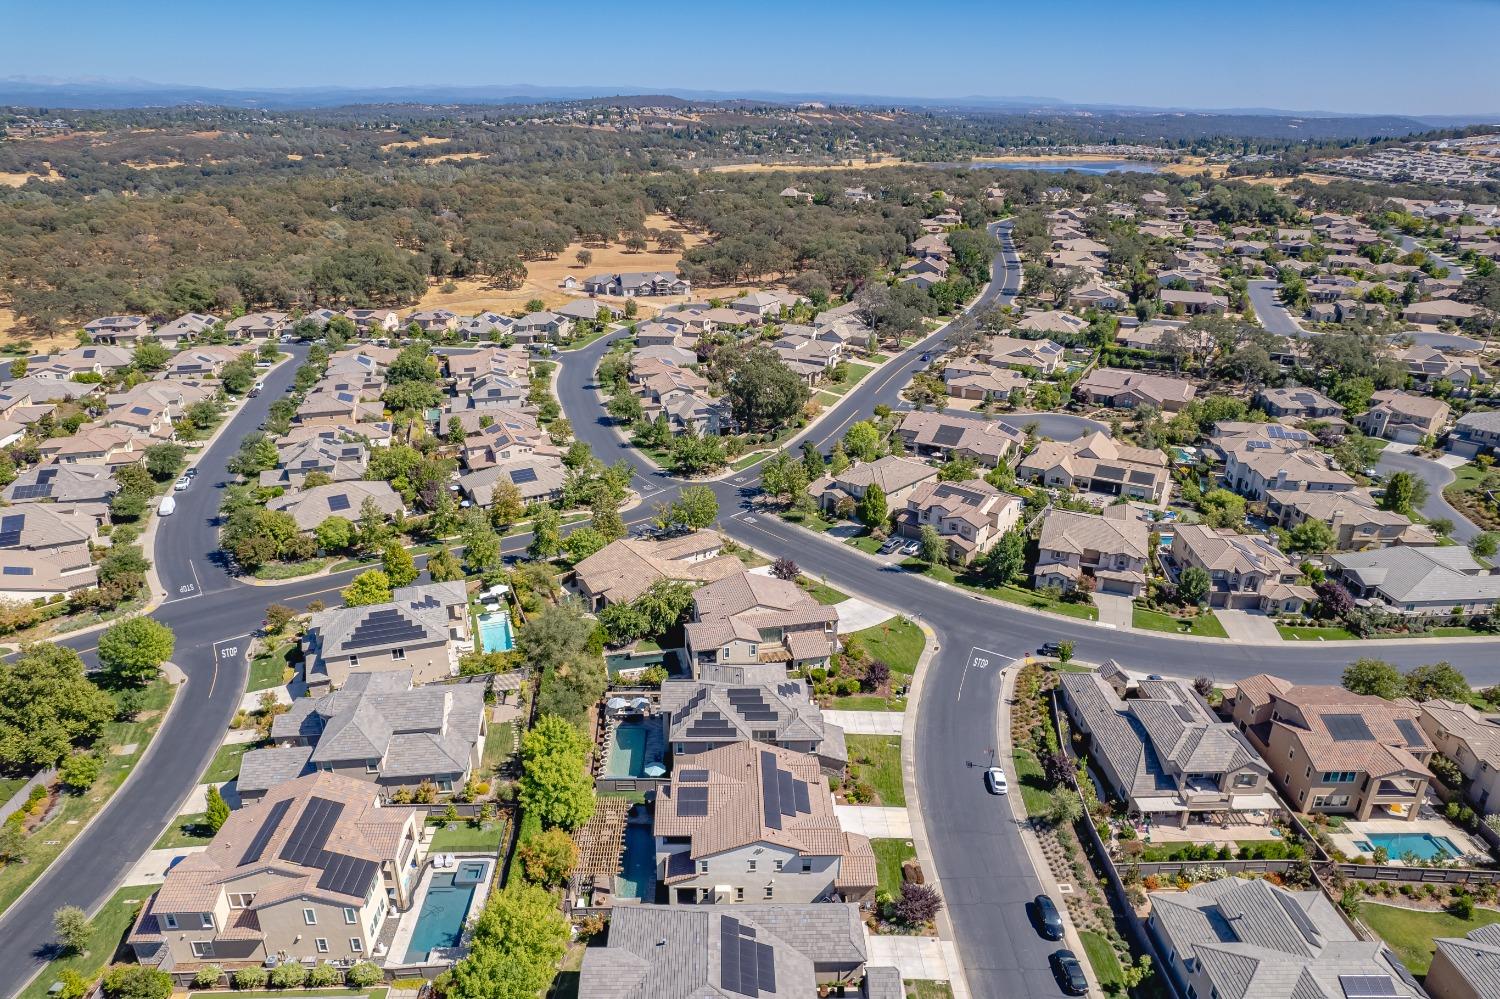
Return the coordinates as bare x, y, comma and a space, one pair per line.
1422, 875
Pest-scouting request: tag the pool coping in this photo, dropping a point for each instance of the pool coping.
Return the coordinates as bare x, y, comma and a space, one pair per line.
401, 940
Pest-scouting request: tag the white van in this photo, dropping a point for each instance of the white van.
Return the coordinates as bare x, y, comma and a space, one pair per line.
168, 507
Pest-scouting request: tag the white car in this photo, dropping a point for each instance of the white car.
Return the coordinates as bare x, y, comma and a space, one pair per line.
182, 484
994, 779
167, 507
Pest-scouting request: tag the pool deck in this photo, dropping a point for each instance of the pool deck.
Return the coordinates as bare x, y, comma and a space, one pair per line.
1347, 838
406, 922
654, 751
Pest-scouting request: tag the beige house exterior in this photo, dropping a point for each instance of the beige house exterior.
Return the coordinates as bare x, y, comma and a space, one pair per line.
1403, 417
623, 570
744, 621
896, 477
1466, 967
1097, 463
419, 630
970, 516
1471, 740
1336, 752
1112, 550
1245, 570
1122, 389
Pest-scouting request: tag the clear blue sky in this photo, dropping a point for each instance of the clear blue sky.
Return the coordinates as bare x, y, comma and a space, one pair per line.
1417, 56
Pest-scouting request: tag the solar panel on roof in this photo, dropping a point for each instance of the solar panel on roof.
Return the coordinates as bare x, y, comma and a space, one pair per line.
11, 528
692, 776
338, 501
947, 436
802, 796
1409, 730
267, 829
1348, 728
747, 967
310, 834
1184, 712
141, 410
692, 802
522, 475
1367, 986
786, 793
770, 791
46, 475
17, 570
387, 626
346, 875
39, 490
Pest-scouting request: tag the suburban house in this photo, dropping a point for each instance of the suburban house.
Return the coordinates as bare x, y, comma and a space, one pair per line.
376, 728
1255, 469
416, 632
672, 952
1043, 356
1250, 938
1112, 550
123, 330
893, 475
1192, 302
1096, 463
44, 550
623, 570
638, 283
308, 873
257, 326
952, 436
539, 478
704, 715
1420, 582
1403, 417
1119, 388
541, 327
1475, 433
310, 507
747, 619
967, 378
1471, 740
374, 321
1437, 312
969, 516
485, 326
433, 320
1245, 570
1430, 364
1047, 323
63, 485
95, 360
341, 461
1356, 521
184, 329
1466, 967
1163, 751
1335, 751
751, 822
465, 366
1297, 401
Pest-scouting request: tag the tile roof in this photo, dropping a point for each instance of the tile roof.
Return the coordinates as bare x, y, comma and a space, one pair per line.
1067, 531
739, 606
622, 570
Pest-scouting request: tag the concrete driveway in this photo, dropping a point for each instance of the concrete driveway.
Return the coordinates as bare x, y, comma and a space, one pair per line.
874, 821
1115, 610
1251, 627
857, 615
918, 958
867, 722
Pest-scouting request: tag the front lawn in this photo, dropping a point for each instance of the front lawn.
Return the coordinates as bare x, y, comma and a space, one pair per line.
926, 988
1411, 932
1033, 783
269, 669
866, 543
1290, 634
883, 771
1205, 625
186, 830
822, 592
1102, 959
111, 924
225, 766
291, 570
1007, 592
463, 837
499, 743
898, 643
811, 521
868, 702
890, 854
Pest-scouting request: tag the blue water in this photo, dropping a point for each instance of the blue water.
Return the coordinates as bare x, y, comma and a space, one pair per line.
494, 632
1082, 166
440, 921
627, 751
637, 878
1425, 845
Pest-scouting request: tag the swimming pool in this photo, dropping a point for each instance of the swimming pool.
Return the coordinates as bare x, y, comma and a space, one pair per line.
440, 921
1425, 845
627, 750
637, 877
494, 632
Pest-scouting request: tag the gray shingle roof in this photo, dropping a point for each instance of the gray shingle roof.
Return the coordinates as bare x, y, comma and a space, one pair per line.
1476, 958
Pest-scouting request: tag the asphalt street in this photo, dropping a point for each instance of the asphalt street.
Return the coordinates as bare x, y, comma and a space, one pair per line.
1268, 309
1435, 507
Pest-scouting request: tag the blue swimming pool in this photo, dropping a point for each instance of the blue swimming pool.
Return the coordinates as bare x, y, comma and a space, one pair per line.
440, 921
637, 877
1425, 845
494, 632
627, 750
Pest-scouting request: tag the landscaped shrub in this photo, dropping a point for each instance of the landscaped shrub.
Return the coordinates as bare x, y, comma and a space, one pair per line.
321, 976
207, 977
249, 978
132, 981
363, 975
287, 976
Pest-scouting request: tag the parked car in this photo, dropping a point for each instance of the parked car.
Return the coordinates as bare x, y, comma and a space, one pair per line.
911, 548
1069, 973
1050, 649
994, 779
192, 473
1048, 919
891, 544
182, 483
926, 356
167, 507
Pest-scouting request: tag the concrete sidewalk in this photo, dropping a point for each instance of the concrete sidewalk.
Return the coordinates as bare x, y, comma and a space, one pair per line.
874, 821
917, 958
867, 722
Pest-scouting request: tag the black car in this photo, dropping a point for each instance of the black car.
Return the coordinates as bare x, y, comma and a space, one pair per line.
1048, 920
1069, 973
1050, 649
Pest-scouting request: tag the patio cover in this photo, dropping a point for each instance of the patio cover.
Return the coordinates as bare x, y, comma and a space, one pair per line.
1158, 805
1250, 802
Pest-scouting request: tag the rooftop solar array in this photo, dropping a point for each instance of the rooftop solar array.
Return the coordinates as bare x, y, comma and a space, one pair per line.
17, 570
267, 829
692, 802
692, 776
307, 846
522, 475
37, 490
338, 501
751, 704
747, 967
780, 792
1184, 712
385, 627
947, 436
1348, 728
11, 527
1367, 986
711, 725
1409, 730
690, 704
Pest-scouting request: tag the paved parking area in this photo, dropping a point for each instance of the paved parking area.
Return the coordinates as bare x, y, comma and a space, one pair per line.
1250, 627
868, 722
874, 821
925, 958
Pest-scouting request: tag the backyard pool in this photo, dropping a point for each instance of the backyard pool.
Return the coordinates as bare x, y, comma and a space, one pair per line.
1425, 845
637, 877
494, 632
627, 750
440, 921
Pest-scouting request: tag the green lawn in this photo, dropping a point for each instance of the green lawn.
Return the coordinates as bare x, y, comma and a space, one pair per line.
1102, 959
868, 702
268, 669
378, 992
186, 830
291, 570
865, 543
9, 786
578, 343
72, 813
822, 592
889, 855
1033, 784
811, 521
499, 743
111, 924
897, 642
1205, 625
225, 765
883, 772
920, 988
1008, 593
461, 837
856, 372
745, 461
1312, 634
1411, 932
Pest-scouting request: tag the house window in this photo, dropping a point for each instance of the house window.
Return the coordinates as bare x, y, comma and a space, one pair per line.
1245, 780
169, 921
350, 916
322, 945
398, 654
206, 919
739, 894
372, 766
752, 866
702, 867
310, 917
241, 901
806, 865
354, 662
780, 864
445, 785
203, 948
770, 891
356, 945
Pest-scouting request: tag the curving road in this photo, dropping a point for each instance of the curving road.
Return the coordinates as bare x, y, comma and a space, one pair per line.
1437, 476
978, 852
